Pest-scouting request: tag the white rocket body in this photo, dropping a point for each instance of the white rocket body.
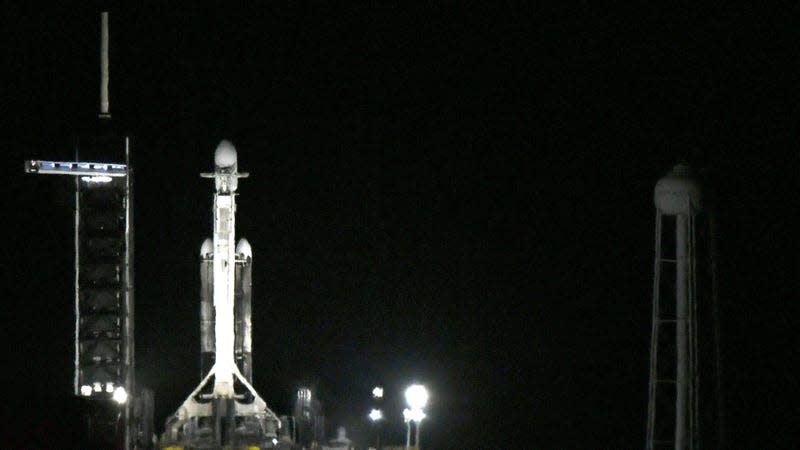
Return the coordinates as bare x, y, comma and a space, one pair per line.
224, 262
228, 412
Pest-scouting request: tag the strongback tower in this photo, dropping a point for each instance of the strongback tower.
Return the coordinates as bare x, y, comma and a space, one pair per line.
683, 297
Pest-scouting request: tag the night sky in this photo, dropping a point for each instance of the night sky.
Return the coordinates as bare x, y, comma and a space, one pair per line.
460, 196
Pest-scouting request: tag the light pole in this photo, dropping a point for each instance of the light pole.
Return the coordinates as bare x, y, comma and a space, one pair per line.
375, 416
407, 419
416, 438
417, 398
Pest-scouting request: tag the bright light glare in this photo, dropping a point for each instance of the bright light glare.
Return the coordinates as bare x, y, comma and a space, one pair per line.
413, 415
97, 386
109, 387
86, 390
416, 396
120, 396
375, 415
377, 392
274, 441
96, 179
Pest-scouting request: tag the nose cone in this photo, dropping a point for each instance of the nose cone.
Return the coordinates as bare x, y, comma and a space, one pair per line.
243, 248
207, 247
225, 155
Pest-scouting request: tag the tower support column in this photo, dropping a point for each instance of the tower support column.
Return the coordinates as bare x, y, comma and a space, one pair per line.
682, 330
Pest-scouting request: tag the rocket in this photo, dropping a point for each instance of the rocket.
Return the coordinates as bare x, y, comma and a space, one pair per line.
227, 411
217, 283
226, 180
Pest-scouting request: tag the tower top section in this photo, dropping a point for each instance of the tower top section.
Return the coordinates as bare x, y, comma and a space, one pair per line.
678, 192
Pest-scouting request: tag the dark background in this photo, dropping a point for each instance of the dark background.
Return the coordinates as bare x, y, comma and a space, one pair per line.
456, 195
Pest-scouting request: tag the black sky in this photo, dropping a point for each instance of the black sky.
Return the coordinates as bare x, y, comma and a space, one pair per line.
455, 195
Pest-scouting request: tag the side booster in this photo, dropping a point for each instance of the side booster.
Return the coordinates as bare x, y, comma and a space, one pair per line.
224, 410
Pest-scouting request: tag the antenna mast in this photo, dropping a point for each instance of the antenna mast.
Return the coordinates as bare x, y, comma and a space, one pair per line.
105, 112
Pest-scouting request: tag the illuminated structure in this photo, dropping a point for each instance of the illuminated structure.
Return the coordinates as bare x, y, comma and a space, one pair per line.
684, 295
309, 422
416, 398
224, 410
117, 413
376, 414
104, 357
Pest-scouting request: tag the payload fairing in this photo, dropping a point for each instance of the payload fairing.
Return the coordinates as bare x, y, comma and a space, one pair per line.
227, 412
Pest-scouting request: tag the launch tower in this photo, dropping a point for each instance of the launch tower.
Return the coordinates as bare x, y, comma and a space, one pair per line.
684, 297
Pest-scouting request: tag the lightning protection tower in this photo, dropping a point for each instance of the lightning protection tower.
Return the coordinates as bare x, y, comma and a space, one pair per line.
684, 298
